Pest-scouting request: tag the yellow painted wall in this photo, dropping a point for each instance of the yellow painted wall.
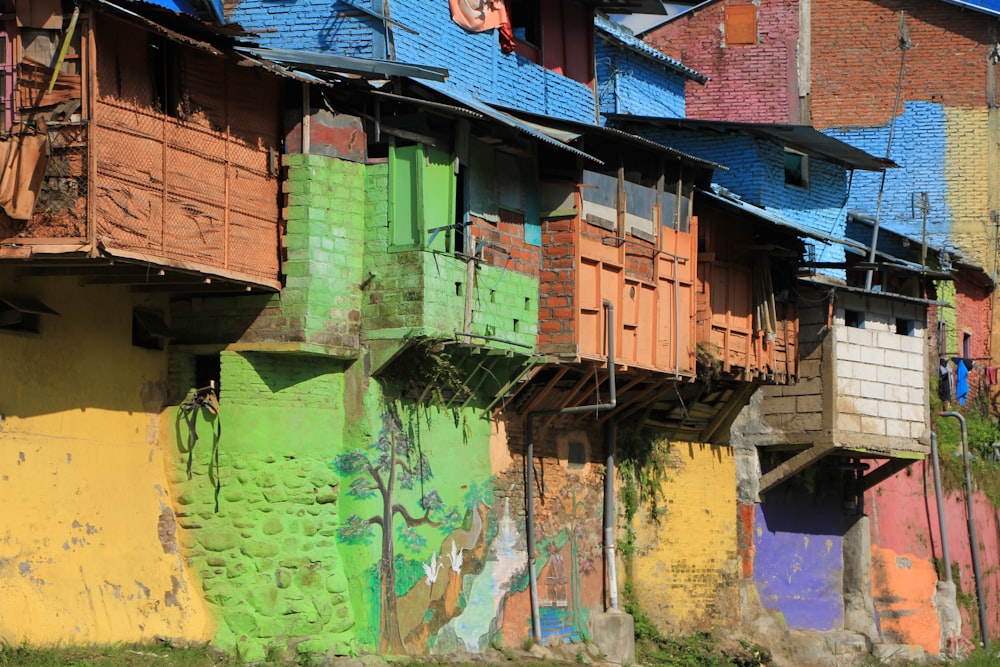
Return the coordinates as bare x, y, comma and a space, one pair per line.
685, 567
83, 479
969, 181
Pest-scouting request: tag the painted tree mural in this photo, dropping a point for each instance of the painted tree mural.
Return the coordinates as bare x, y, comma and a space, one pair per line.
393, 470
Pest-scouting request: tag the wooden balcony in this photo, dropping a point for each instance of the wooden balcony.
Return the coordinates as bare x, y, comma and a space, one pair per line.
149, 153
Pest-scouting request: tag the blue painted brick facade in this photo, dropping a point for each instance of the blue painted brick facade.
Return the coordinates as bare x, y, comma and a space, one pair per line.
426, 35
918, 146
628, 83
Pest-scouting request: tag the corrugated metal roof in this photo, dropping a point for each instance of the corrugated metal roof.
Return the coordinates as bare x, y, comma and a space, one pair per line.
991, 7
337, 63
779, 220
505, 118
627, 6
208, 10
559, 125
802, 138
624, 37
861, 290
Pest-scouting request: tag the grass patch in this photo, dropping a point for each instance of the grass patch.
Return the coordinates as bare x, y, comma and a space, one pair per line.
116, 655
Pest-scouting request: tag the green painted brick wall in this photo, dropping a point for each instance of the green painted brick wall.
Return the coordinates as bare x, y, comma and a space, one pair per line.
419, 293
268, 560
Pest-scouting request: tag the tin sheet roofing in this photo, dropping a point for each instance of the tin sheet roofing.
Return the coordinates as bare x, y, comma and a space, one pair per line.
624, 37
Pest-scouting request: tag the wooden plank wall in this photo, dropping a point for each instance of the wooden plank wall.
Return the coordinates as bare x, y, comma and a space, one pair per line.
197, 185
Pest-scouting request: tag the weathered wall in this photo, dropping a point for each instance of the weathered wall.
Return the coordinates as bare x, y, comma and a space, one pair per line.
907, 559
798, 551
263, 542
87, 552
630, 83
880, 375
754, 83
685, 566
425, 35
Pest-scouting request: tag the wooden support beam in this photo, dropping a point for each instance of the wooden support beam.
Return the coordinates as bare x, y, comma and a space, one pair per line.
727, 414
794, 465
538, 399
884, 472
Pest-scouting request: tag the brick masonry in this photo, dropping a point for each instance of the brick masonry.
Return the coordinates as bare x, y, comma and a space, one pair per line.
754, 83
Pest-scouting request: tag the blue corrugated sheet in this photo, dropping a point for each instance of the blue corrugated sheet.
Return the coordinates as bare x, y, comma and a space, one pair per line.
205, 9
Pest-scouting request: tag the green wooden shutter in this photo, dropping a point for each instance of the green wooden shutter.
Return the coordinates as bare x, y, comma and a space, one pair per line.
404, 232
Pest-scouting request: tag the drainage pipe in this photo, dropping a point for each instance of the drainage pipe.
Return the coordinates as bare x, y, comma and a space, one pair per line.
529, 462
974, 543
609, 513
942, 526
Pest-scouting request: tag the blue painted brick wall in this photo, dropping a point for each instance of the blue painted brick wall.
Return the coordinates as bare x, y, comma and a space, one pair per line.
918, 146
627, 83
756, 173
475, 63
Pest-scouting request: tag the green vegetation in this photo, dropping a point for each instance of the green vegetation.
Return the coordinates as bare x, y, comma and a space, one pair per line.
982, 431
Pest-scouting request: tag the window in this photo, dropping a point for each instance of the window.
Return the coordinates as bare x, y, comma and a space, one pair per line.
904, 327
741, 26
966, 345
422, 199
21, 314
796, 168
207, 372
164, 69
577, 457
149, 331
854, 319
526, 23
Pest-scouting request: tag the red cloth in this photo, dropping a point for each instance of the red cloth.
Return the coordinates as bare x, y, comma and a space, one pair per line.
482, 15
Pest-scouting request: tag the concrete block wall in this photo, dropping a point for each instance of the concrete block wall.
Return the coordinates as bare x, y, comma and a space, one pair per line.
757, 83
881, 388
629, 83
319, 310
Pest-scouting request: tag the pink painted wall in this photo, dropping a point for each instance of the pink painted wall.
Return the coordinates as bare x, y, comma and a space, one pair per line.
753, 83
905, 539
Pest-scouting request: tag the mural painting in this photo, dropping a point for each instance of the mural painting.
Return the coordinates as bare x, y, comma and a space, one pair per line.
434, 540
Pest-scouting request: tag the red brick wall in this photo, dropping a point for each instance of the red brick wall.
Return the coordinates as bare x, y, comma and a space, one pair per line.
556, 314
748, 83
508, 234
856, 58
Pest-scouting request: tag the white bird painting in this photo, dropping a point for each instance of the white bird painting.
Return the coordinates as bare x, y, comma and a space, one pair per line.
456, 557
431, 569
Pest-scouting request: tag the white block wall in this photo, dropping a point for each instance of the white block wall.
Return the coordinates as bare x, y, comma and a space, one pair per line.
881, 375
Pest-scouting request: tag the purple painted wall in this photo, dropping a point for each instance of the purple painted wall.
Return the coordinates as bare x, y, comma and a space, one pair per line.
798, 565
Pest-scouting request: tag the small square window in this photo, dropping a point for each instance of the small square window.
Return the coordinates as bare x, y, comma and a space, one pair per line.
854, 319
904, 327
741, 26
796, 168
577, 455
24, 315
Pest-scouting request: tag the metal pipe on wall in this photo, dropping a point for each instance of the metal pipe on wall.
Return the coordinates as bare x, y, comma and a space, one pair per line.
942, 526
973, 541
529, 462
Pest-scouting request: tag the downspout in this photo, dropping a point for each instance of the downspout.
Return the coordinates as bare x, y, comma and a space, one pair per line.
609, 513
942, 526
529, 462
973, 542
